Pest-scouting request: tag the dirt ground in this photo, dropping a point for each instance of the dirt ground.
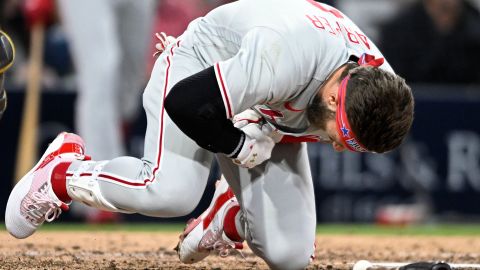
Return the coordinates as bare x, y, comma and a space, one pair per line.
154, 250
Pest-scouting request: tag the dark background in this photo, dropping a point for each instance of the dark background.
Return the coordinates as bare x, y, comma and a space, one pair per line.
437, 168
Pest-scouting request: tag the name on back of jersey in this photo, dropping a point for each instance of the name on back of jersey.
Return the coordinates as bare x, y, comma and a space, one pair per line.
333, 22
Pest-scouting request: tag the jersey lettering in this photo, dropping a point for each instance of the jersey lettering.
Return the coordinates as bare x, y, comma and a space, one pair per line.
315, 21
323, 23
351, 36
364, 39
327, 23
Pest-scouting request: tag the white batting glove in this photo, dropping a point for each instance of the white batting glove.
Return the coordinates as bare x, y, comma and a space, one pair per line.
246, 117
257, 147
250, 116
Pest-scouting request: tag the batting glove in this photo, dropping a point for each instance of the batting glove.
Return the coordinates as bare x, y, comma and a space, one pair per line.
257, 146
250, 116
246, 117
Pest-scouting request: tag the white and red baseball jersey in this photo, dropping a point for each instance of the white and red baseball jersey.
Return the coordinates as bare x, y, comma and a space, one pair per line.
277, 62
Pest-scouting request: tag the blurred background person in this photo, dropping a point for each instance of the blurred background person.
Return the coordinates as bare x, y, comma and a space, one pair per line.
108, 41
435, 41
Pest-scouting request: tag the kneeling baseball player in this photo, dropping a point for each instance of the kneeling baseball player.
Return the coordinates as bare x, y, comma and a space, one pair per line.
291, 72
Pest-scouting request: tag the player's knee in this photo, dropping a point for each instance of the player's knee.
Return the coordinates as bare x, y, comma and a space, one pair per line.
287, 256
288, 260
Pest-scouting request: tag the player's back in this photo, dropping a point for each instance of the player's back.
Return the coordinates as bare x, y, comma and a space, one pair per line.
312, 31
243, 15
286, 49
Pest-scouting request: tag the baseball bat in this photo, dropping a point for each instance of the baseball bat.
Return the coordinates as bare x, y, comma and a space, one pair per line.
27, 148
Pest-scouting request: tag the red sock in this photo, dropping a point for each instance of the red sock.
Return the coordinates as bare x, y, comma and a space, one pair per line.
229, 224
59, 181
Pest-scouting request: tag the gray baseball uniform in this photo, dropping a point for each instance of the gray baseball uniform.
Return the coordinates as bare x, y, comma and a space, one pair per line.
270, 55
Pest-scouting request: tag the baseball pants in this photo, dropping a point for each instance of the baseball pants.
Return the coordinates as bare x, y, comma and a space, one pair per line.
276, 197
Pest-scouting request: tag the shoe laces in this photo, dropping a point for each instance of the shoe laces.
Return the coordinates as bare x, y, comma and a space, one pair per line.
42, 208
225, 247
214, 241
163, 42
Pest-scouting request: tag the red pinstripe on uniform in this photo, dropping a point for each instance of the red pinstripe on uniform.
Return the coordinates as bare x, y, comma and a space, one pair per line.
129, 182
224, 91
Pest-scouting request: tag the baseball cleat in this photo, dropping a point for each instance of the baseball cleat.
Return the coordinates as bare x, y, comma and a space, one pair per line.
32, 200
205, 235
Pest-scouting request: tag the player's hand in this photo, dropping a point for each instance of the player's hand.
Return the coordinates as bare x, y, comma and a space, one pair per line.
250, 116
38, 11
257, 147
246, 117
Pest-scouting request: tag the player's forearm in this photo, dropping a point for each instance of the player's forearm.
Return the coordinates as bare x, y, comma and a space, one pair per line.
196, 106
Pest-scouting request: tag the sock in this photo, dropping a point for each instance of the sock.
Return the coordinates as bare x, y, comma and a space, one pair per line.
232, 225
59, 181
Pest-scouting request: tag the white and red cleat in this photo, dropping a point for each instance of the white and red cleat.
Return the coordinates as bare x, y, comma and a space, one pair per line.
32, 200
205, 234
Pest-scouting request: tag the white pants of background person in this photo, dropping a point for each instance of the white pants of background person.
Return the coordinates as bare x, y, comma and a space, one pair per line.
108, 39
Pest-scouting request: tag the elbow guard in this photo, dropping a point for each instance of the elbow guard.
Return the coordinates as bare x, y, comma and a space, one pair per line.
195, 105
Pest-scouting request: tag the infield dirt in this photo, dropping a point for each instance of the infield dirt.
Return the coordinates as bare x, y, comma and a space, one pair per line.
154, 250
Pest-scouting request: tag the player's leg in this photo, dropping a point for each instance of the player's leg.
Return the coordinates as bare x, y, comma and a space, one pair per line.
278, 206
168, 181
277, 214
